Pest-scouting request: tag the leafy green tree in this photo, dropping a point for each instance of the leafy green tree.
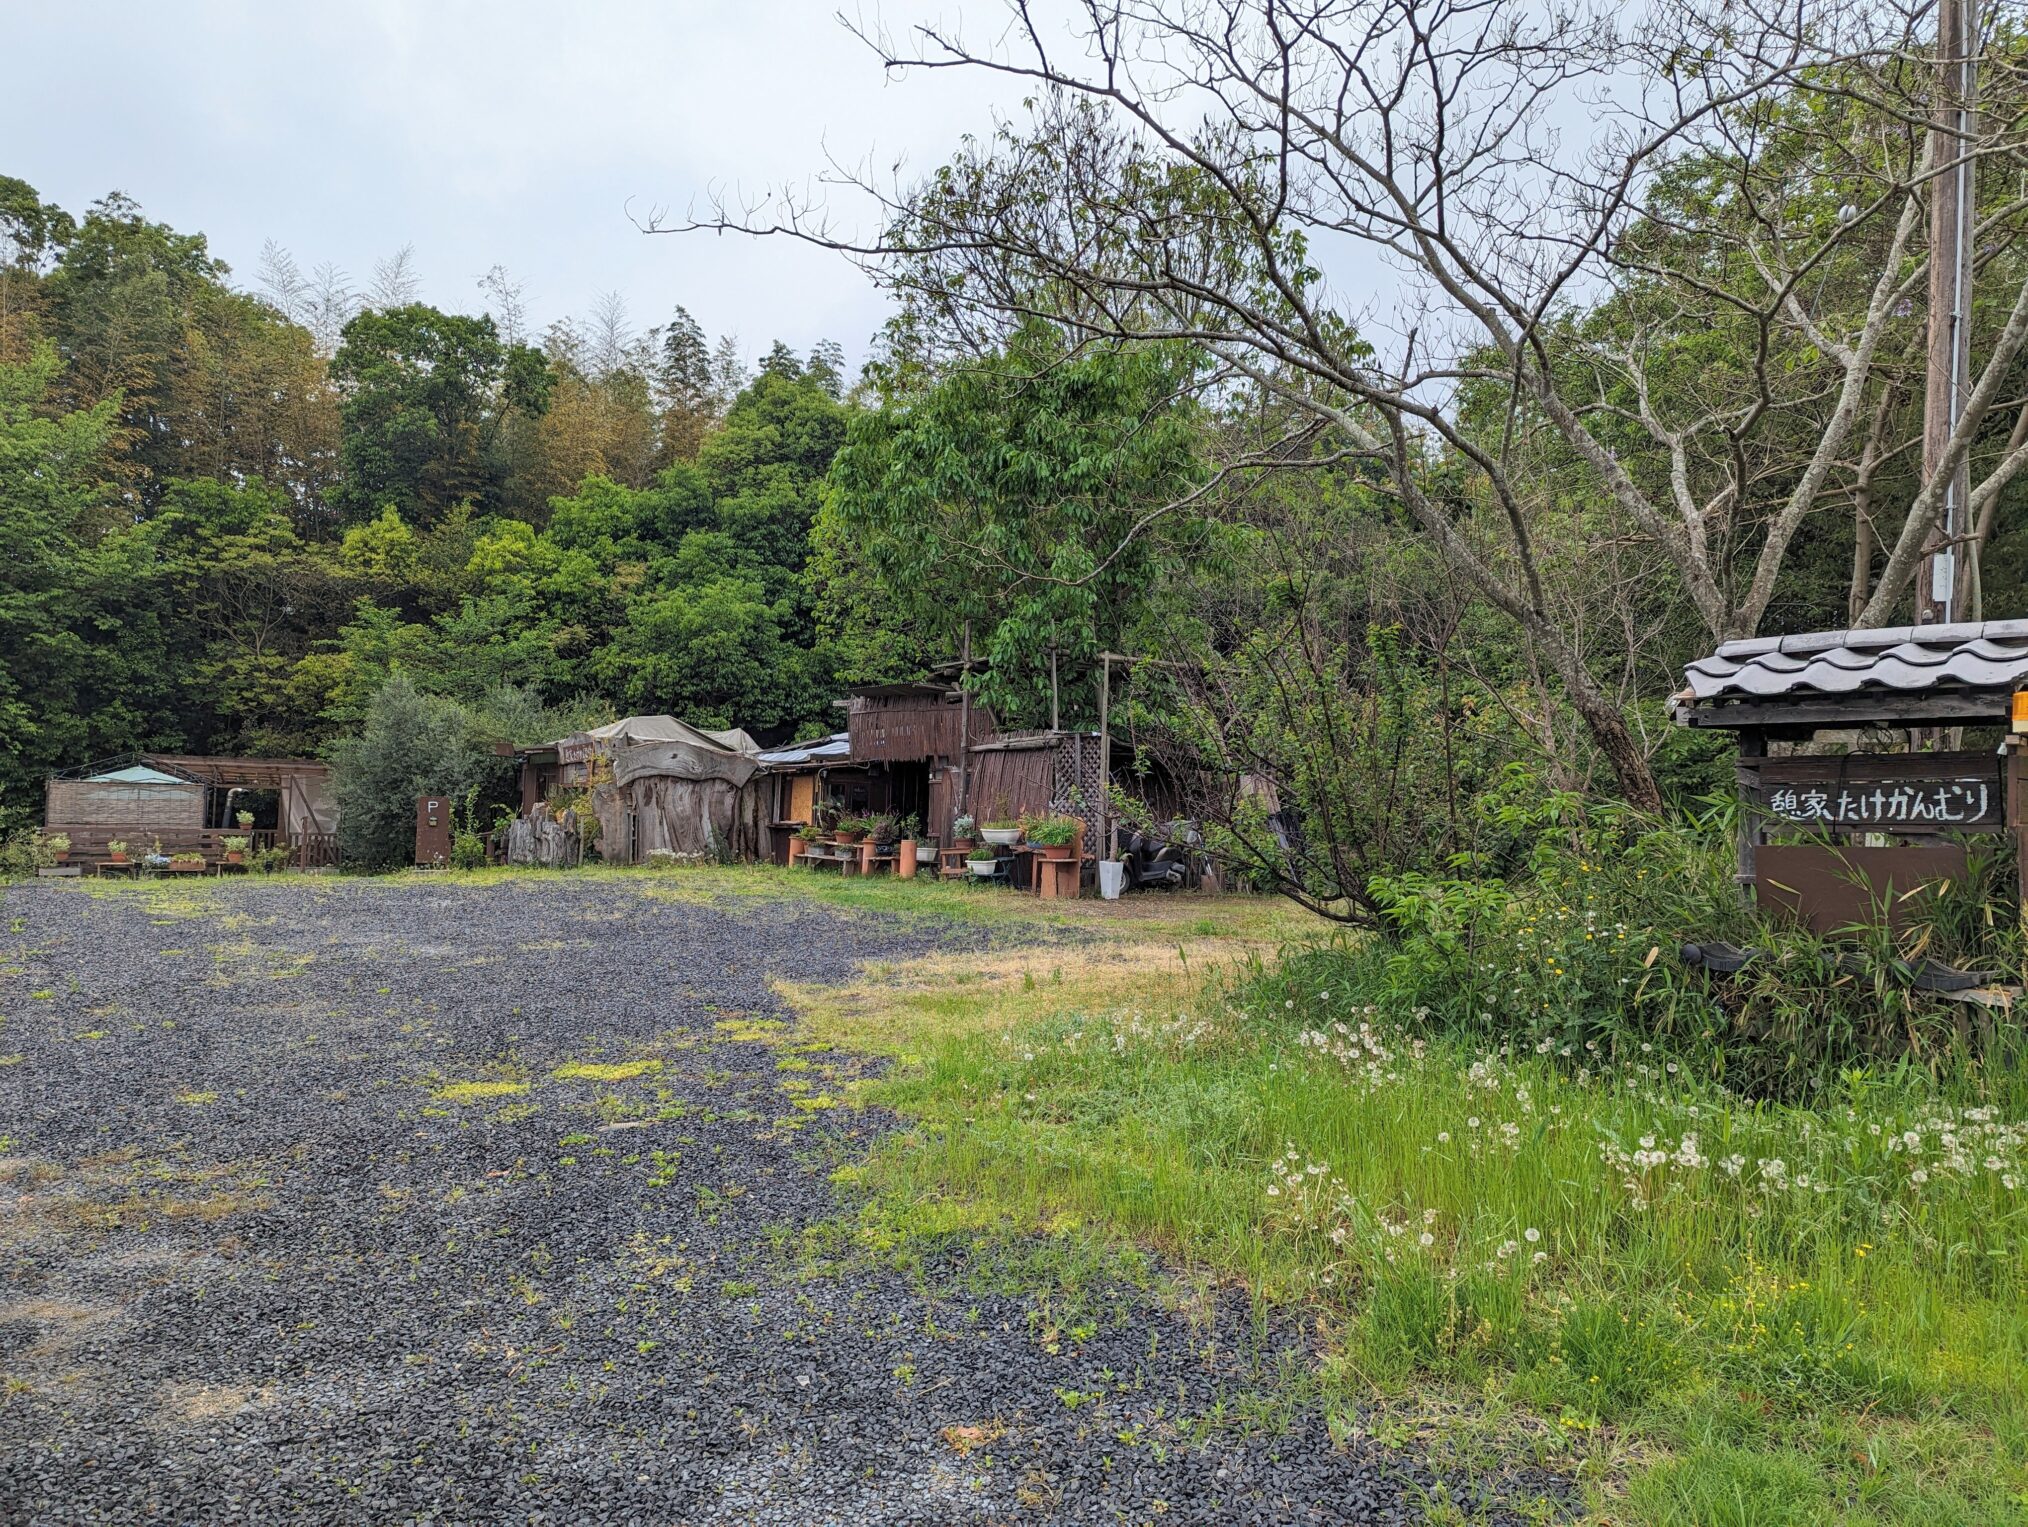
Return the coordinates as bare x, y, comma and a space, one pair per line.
766, 469
251, 600
1023, 495
717, 654
35, 230
420, 392
81, 613
119, 301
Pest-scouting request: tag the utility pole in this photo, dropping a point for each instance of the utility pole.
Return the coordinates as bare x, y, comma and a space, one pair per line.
1947, 587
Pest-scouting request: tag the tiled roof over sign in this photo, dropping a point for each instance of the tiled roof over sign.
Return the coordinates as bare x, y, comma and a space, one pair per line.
1984, 655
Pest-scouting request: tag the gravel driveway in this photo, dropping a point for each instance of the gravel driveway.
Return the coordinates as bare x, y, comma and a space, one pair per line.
374, 1202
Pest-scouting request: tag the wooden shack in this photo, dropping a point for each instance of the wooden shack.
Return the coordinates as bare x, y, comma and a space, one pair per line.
657, 786
915, 740
190, 803
1868, 760
942, 755
800, 776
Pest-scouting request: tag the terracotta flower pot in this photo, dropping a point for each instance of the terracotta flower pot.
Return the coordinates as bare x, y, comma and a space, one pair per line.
118, 859
1053, 850
235, 858
964, 845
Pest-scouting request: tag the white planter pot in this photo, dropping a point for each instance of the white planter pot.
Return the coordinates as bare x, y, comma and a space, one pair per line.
1001, 837
983, 868
1112, 878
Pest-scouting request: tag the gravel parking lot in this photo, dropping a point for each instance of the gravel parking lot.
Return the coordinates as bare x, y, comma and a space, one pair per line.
373, 1202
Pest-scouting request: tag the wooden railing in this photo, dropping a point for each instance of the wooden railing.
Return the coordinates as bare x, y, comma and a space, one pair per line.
316, 850
313, 850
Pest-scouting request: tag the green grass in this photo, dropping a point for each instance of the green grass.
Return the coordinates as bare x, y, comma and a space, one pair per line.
1613, 1262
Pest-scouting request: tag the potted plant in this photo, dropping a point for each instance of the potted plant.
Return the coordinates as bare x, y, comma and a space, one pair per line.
235, 850
1002, 834
58, 846
964, 832
116, 851
186, 863
1054, 835
884, 830
802, 838
244, 818
852, 829
982, 861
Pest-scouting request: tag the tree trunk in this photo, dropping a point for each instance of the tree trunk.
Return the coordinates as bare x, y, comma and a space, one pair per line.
1608, 729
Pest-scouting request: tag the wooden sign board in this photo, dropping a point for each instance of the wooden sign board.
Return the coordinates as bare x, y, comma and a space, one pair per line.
1897, 792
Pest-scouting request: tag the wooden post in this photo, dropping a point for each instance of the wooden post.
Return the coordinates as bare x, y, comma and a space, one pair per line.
1055, 724
964, 721
1106, 756
1746, 776
2017, 819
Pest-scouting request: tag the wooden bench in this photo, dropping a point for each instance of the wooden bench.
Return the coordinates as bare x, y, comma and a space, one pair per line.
844, 855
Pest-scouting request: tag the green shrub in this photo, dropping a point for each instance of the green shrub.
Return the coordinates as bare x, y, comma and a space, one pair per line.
411, 745
1563, 938
23, 852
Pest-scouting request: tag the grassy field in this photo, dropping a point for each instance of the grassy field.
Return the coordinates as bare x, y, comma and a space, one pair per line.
1711, 1311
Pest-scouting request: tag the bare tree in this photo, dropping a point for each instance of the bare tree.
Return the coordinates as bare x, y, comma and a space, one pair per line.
287, 291
509, 306
614, 346
396, 282
331, 304
1510, 169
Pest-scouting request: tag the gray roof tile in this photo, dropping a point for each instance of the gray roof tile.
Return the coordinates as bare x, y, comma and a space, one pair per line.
1979, 656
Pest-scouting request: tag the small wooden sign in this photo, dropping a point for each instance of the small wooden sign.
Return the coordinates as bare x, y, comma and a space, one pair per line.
1901, 792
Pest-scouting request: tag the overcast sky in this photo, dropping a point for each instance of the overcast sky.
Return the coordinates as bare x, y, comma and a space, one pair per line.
504, 132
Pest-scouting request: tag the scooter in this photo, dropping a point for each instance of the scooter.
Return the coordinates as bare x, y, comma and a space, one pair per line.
1156, 866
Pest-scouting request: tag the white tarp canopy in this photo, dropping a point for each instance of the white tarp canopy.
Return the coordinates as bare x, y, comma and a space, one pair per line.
706, 752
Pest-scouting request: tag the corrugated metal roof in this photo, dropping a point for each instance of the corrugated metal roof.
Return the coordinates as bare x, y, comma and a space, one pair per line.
1984, 655
837, 745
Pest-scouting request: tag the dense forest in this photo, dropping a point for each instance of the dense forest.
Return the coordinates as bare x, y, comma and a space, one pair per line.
232, 510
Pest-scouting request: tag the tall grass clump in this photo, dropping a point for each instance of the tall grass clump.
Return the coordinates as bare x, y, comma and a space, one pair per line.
1561, 936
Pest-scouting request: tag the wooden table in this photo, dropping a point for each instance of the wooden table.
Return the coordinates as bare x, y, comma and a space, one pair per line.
1051, 877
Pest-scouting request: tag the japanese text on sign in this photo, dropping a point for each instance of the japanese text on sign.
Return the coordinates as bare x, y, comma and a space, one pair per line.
1906, 803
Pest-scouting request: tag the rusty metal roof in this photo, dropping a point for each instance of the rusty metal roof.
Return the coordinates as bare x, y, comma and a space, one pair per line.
1982, 655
